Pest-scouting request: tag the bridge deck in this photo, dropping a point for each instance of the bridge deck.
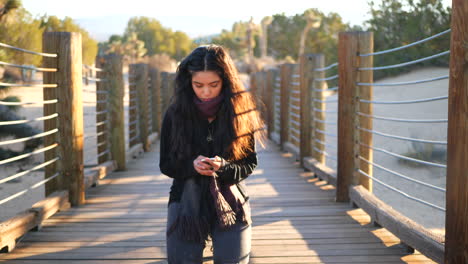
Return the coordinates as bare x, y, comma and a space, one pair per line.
295, 220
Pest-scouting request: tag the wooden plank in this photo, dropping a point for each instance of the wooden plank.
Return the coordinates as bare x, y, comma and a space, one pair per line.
17, 226
321, 170
93, 175
410, 232
294, 220
456, 224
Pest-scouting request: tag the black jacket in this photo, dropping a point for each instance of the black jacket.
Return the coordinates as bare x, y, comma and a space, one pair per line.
232, 173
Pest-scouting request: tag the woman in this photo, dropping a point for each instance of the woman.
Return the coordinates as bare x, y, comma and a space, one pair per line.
208, 147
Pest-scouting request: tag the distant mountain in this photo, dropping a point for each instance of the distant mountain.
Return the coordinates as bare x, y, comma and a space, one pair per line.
205, 39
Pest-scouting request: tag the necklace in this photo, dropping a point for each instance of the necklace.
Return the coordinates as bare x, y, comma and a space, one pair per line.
209, 138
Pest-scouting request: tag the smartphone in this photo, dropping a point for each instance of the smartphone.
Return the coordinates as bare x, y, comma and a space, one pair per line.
204, 160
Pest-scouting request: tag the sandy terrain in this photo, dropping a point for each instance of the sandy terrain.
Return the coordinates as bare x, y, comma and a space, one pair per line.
25, 201
429, 217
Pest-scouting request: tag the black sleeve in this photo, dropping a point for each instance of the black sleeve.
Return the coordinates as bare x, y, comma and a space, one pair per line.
175, 169
236, 171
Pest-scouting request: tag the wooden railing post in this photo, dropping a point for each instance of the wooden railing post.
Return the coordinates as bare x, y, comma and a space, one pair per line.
102, 114
318, 108
133, 137
269, 93
306, 72
456, 223
155, 84
351, 44
112, 66
285, 71
171, 89
70, 108
365, 92
141, 85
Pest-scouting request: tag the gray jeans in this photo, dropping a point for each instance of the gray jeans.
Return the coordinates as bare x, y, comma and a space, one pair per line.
229, 246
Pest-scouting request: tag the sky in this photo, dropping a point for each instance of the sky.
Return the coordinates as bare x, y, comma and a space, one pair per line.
103, 18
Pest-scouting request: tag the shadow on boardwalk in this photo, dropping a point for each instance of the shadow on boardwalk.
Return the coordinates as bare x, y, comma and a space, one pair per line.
295, 220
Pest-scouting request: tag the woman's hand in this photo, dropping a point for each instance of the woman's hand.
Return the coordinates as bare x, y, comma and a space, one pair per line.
207, 167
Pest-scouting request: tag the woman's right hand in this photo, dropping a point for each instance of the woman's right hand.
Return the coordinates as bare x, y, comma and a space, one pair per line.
202, 167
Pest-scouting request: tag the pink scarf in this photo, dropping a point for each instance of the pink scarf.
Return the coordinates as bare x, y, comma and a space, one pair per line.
208, 108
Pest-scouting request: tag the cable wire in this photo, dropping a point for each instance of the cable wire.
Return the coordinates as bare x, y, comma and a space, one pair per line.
405, 63
327, 78
12, 177
404, 157
401, 192
5, 161
406, 46
327, 67
28, 51
402, 176
28, 138
403, 138
11, 197
424, 100
405, 83
28, 85
29, 103
16, 122
404, 120
28, 67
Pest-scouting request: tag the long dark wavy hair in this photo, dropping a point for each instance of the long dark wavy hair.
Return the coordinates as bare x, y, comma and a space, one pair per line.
238, 115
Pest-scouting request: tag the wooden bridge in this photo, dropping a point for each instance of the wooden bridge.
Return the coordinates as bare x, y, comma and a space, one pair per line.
295, 220
313, 197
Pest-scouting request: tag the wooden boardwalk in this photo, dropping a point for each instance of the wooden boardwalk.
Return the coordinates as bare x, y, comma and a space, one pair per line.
295, 220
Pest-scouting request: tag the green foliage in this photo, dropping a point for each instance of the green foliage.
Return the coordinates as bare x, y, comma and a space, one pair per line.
19, 29
12, 98
396, 23
158, 39
284, 35
236, 39
89, 45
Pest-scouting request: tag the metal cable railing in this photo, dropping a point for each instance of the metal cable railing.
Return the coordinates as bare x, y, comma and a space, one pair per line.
28, 67
402, 176
401, 192
405, 83
404, 138
327, 67
28, 51
406, 46
16, 122
405, 63
404, 120
23, 156
11, 197
425, 100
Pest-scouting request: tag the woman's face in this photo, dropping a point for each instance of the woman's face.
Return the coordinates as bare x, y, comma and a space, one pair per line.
206, 84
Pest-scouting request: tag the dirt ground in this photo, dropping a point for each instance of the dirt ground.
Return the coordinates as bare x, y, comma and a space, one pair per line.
25, 201
429, 217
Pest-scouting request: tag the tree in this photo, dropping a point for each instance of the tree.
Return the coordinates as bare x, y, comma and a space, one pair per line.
8, 7
159, 39
89, 45
396, 23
